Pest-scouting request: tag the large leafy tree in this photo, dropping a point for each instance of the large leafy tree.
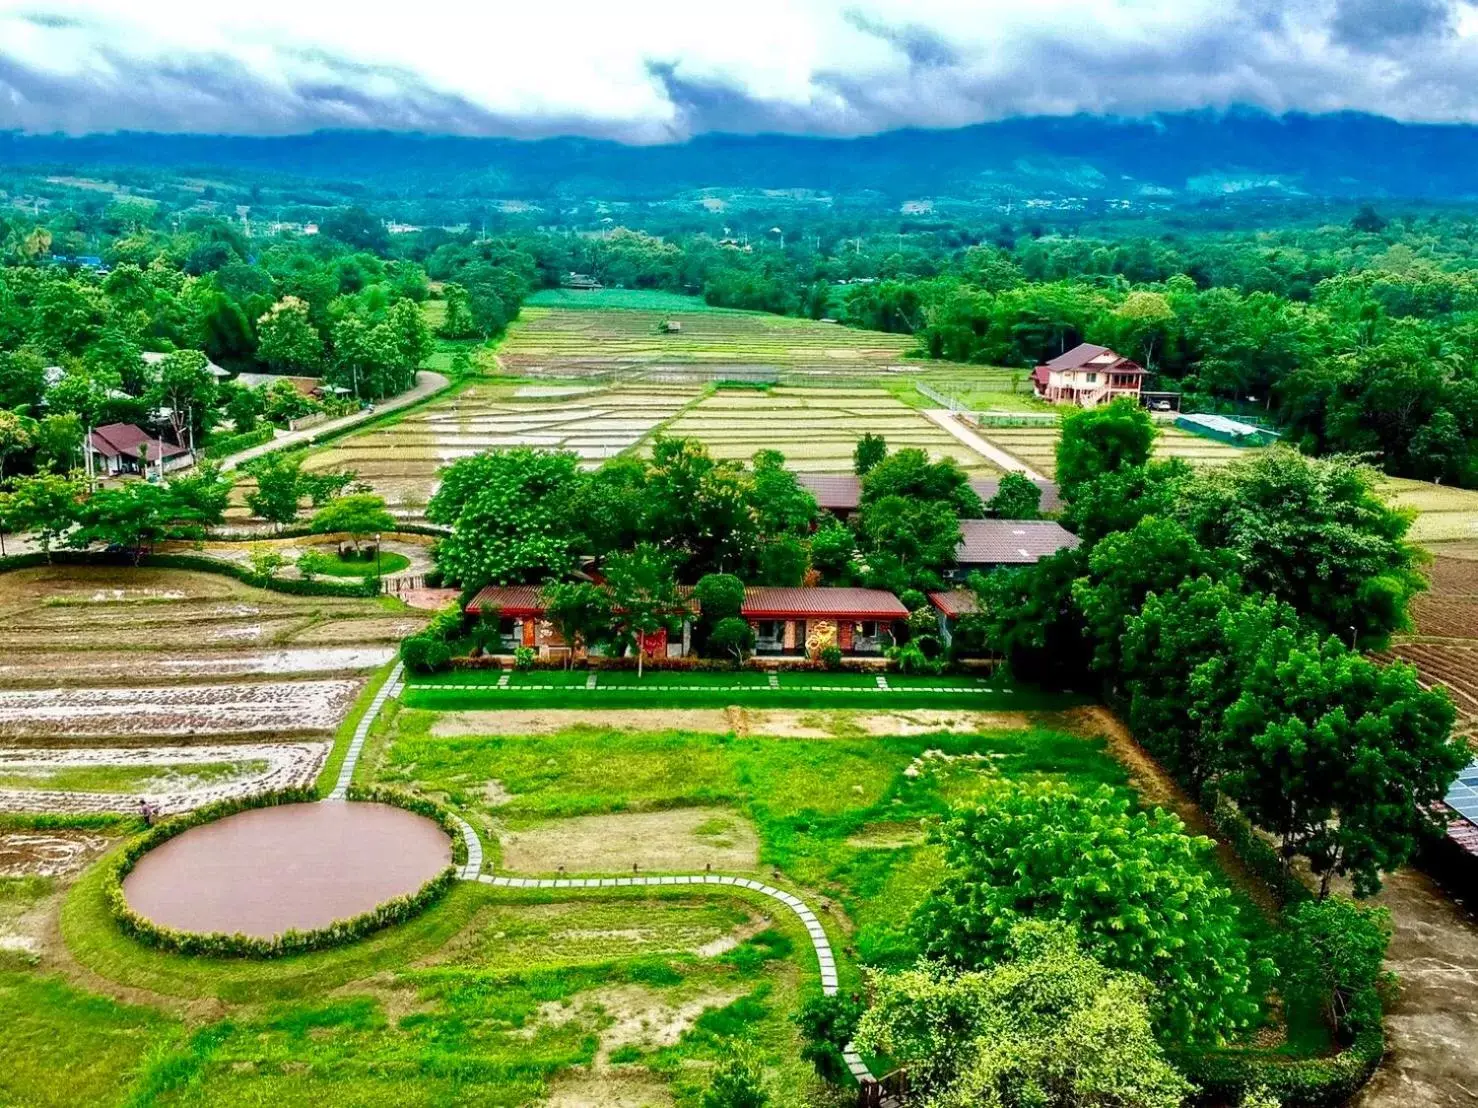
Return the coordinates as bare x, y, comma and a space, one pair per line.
643, 593
44, 506
1102, 440
278, 487
1139, 890
1341, 759
908, 473
581, 611
356, 515
1029, 617
1017, 497
700, 508
781, 505
287, 340
185, 387
1313, 532
1049, 1027
135, 515
918, 537
512, 517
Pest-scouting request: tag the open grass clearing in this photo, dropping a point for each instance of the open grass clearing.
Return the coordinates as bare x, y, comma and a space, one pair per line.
680, 840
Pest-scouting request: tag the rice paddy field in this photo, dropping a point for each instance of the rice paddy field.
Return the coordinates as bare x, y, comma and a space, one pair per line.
816, 428
401, 459
1443, 514
573, 340
1036, 445
178, 687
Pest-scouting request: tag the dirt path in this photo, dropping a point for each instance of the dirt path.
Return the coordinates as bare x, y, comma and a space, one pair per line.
427, 384
1432, 1030
946, 419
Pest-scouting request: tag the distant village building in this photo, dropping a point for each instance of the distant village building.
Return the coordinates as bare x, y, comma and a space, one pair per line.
116, 449
1087, 376
579, 281
670, 326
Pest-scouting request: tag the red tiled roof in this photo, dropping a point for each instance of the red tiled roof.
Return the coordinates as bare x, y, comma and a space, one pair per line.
516, 601
842, 492
955, 602
1011, 541
1464, 834
122, 440
766, 602
1079, 357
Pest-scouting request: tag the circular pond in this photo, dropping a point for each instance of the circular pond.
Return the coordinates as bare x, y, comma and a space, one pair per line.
299, 866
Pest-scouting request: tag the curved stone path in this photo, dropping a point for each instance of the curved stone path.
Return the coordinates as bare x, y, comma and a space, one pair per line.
472, 870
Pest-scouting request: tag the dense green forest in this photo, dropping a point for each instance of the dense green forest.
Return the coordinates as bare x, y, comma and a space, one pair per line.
1351, 328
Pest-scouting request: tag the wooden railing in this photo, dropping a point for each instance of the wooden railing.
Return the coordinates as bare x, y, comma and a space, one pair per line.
889, 1091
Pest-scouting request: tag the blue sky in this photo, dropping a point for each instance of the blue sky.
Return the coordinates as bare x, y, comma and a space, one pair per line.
650, 71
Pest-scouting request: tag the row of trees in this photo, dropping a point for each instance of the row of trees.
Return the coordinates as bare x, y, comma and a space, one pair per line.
1227, 611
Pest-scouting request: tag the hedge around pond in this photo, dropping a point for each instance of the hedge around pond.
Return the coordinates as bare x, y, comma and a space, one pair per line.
200, 563
217, 944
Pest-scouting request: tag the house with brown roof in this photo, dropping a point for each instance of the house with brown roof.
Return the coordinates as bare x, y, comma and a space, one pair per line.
987, 544
806, 620
124, 448
841, 493
1088, 375
785, 620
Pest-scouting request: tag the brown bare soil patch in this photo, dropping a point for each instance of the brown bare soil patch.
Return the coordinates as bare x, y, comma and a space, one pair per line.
845, 724
888, 835
619, 1087
634, 1015
683, 839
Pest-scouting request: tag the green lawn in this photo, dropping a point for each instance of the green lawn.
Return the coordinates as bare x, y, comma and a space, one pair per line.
502, 997
388, 562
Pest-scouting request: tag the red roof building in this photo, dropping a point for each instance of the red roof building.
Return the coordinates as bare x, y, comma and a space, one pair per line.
1088, 375
786, 620
115, 448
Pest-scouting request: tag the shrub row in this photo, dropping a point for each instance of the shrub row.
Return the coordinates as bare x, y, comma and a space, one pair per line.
682, 665
217, 944
225, 445
1224, 1077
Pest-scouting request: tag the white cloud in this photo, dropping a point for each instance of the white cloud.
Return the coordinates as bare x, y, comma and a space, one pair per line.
656, 70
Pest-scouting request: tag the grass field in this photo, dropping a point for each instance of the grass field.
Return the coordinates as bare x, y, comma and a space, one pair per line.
815, 428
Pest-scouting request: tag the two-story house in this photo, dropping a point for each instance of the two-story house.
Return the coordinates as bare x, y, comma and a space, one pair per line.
1088, 375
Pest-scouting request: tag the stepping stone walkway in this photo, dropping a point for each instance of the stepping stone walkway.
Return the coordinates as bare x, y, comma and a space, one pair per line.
472, 869
882, 681
774, 681
819, 941
391, 686
590, 679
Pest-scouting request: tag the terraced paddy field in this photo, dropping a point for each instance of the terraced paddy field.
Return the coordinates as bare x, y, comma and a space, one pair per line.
1037, 446
816, 428
570, 341
401, 459
177, 687
1443, 514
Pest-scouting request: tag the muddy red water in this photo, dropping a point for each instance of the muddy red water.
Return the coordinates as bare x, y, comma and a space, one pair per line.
297, 866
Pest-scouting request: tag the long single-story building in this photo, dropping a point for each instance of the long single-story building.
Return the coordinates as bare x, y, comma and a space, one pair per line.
115, 449
785, 620
989, 543
841, 493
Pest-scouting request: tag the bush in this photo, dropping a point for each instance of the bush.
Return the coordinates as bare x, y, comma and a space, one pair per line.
222, 445
732, 636
827, 1025
425, 653
524, 657
219, 945
830, 656
911, 658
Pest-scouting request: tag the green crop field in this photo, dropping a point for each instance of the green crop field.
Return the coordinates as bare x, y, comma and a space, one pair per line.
570, 341
651, 300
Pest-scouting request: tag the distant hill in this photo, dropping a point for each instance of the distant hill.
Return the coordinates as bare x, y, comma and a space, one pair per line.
1181, 155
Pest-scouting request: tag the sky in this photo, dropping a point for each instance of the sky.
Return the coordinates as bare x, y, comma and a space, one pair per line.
654, 71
